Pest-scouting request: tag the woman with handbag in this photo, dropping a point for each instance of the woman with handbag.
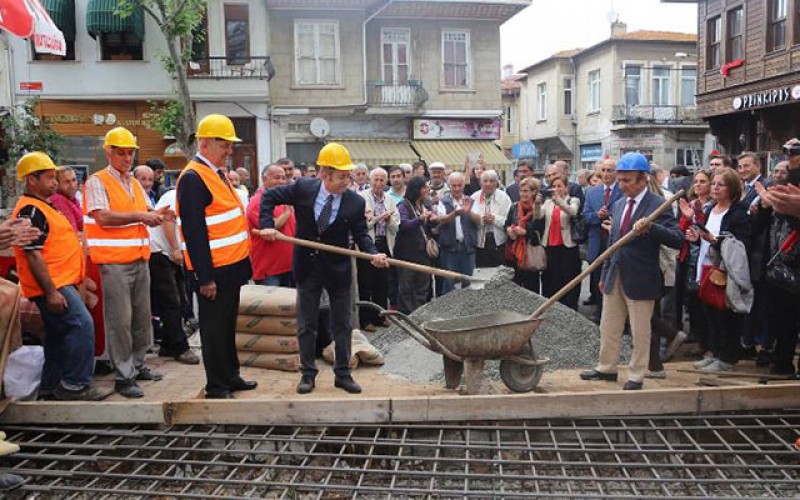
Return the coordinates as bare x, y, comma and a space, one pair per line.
414, 243
524, 250
727, 217
563, 255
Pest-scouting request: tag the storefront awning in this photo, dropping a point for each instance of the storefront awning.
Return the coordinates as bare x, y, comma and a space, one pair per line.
379, 152
455, 153
101, 18
62, 12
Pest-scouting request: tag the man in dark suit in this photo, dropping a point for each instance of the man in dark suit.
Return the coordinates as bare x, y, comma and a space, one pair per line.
327, 212
599, 200
631, 280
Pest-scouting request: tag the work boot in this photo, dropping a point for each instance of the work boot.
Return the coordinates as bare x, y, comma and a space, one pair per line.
128, 388
348, 384
306, 385
188, 358
9, 482
88, 393
148, 374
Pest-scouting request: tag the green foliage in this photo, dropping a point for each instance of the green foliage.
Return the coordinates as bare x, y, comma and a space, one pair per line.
169, 116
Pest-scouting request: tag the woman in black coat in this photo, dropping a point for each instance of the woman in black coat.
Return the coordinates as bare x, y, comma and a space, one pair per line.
522, 225
415, 219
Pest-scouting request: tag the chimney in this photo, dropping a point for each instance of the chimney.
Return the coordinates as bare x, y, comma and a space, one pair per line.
508, 71
618, 28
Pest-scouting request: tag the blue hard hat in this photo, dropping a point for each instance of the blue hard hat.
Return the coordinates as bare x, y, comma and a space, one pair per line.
633, 162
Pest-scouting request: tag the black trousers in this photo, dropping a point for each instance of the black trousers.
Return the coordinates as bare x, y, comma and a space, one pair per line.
491, 255
784, 315
725, 331
308, 297
217, 332
166, 283
563, 264
373, 286
660, 329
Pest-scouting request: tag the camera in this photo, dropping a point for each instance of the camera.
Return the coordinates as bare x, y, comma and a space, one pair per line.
792, 149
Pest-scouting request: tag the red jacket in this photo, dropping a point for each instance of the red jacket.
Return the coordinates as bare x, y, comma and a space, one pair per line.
269, 258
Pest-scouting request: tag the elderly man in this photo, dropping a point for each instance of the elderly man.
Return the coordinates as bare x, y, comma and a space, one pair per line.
287, 164
359, 180
458, 233
244, 180
146, 178
65, 200
631, 280
437, 184
236, 183
216, 251
117, 214
272, 260
489, 210
781, 172
408, 172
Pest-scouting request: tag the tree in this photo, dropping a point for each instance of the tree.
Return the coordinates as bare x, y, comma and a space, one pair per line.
177, 20
24, 132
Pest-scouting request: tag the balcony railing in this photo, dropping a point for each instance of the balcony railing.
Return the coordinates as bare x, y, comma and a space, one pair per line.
222, 67
646, 114
387, 95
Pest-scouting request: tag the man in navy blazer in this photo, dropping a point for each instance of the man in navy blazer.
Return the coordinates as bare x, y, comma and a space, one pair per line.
599, 200
631, 280
326, 212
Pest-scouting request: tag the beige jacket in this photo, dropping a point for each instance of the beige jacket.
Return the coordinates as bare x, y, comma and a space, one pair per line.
569, 208
392, 225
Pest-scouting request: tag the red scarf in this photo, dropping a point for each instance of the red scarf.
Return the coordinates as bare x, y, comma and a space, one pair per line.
524, 215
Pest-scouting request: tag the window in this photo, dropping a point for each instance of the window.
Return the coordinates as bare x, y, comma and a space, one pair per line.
633, 85
541, 101
568, 96
713, 38
456, 59
395, 58
662, 88
594, 91
776, 34
688, 85
735, 32
237, 34
121, 46
69, 56
689, 157
510, 119
316, 48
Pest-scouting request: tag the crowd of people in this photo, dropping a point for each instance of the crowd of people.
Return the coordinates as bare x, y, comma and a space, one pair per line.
724, 253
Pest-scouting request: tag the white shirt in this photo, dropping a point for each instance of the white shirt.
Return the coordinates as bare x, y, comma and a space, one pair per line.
637, 202
713, 224
158, 241
499, 205
244, 195
441, 210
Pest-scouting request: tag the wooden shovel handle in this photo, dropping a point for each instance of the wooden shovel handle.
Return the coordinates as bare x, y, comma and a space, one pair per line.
367, 256
603, 257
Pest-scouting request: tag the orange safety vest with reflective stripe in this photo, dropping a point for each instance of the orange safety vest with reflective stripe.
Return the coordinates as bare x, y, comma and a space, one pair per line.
227, 227
118, 244
62, 252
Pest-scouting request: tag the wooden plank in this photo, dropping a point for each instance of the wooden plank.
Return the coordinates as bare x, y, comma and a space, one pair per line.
57, 412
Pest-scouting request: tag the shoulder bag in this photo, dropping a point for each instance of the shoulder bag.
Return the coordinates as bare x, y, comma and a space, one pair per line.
535, 258
712, 286
431, 245
577, 227
781, 274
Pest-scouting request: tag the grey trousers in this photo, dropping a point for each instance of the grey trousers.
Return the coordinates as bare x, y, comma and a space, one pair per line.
126, 312
412, 290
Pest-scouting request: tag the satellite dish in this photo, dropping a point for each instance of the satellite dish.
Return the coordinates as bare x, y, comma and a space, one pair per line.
320, 128
613, 17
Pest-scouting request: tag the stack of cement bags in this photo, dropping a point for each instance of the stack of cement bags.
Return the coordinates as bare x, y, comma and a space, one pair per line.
266, 328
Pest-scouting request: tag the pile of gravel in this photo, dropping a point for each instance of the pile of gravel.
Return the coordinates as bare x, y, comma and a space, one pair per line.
569, 339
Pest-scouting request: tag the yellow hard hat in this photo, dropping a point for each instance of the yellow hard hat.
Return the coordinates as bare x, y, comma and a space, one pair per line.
336, 156
120, 137
217, 127
34, 162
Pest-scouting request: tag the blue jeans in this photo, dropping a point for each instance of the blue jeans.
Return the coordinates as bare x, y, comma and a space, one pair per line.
68, 343
462, 260
285, 280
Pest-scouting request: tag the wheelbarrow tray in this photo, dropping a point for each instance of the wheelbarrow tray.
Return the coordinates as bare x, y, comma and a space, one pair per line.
485, 336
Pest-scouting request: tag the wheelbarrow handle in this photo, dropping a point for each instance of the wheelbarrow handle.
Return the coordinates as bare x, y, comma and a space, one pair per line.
368, 256
603, 257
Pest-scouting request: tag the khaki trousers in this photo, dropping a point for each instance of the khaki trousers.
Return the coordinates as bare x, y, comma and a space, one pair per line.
616, 309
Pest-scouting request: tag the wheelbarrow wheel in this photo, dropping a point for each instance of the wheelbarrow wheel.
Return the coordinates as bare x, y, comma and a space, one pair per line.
519, 377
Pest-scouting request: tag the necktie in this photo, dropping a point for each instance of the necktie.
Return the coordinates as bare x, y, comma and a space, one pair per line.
626, 220
325, 215
607, 196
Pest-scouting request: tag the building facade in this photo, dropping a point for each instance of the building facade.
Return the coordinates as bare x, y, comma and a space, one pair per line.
631, 92
749, 85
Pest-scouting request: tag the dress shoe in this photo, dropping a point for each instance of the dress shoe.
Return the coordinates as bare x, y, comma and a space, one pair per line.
148, 374
348, 384
306, 385
220, 395
128, 388
631, 385
764, 358
591, 301
9, 482
188, 358
88, 393
748, 352
240, 384
596, 375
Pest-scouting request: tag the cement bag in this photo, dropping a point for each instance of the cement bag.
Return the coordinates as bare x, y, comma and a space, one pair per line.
260, 300
266, 325
270, 361
361, 351
266, 343
24, 373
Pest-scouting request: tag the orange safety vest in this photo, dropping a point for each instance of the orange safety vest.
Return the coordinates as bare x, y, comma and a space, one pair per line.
62, 252
227, 227
118, 244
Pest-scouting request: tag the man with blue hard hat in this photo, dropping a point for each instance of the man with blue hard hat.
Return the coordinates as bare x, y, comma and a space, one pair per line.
631, 279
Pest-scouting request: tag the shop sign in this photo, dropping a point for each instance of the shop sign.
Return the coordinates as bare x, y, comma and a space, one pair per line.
524, 149
456, 129
591, 152
107, 119
767, 98
31, 86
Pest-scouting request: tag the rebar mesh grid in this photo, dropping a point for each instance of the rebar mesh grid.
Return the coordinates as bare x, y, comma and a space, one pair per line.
742, 456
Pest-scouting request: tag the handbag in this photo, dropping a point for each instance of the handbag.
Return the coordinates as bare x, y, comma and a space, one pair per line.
780, 274
535, 258
712, 287
578, 230
431, 245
